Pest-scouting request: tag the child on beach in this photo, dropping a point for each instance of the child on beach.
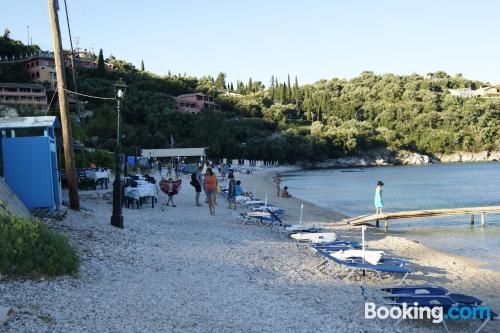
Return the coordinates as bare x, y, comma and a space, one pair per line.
285, 193
170, 192
379, 204
231, 193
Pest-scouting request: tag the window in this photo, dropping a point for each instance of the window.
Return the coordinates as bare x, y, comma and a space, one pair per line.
37, 75
199, 97
192, 105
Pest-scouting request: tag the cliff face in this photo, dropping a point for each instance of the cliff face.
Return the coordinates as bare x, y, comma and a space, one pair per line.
377, 157
382, 157
483, 156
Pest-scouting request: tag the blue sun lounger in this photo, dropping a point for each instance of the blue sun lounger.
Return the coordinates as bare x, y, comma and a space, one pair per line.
384, 266
429, 291
262, 217
444, 301
339, 244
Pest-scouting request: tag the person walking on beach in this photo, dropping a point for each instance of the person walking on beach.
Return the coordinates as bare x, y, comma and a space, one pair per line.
159, 167
277, 180
379, 204
210, 183
231, 193
170, 192
197, 187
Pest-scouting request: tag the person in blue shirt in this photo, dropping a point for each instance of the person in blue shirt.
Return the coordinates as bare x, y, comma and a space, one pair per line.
238, 189
379, 204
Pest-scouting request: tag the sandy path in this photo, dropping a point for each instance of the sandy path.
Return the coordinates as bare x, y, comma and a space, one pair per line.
183, 270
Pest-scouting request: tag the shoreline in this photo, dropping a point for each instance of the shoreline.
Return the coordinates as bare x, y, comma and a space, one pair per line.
325, 211
333, 224
455, 268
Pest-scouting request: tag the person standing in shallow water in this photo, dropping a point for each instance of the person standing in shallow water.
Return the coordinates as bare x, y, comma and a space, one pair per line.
379, 204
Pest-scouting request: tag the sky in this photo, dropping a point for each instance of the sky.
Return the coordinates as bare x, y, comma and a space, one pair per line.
310, 39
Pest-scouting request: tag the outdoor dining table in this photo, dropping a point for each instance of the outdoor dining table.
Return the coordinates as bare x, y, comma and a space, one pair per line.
98, 176
142, 191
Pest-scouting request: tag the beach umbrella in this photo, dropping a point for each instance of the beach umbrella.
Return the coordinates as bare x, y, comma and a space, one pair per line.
363, 228
301, 212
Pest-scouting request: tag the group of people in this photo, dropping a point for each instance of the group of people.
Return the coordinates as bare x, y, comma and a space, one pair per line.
209, 184
279, 192
174, 169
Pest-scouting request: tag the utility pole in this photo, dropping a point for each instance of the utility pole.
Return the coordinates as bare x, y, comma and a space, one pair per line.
74, 201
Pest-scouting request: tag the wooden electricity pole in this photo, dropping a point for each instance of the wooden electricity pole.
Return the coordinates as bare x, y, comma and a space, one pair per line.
74, 201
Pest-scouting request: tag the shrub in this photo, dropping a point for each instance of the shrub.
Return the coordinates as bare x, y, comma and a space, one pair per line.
29, 248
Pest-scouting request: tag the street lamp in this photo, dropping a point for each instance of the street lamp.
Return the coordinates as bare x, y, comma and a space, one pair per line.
117, 217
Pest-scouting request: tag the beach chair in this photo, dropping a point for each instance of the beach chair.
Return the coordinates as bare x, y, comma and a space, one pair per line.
443, 301
385, 265
276, 210
262, 218
338, 244
428, 290
314, 237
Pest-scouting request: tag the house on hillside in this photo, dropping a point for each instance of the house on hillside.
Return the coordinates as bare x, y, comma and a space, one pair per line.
23, 94
41, 67
492, 91
194, 103
485, 92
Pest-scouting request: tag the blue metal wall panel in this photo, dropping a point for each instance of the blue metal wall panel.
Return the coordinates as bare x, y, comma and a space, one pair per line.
28, 170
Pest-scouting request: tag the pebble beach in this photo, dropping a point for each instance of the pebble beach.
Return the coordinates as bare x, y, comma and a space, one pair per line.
182, 270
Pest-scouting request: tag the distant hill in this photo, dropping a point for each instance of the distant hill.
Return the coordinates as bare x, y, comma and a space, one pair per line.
286, 121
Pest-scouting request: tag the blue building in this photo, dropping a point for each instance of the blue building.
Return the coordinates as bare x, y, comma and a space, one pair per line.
29, 158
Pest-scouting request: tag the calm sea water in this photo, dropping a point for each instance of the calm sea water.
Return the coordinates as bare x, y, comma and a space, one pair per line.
415, 188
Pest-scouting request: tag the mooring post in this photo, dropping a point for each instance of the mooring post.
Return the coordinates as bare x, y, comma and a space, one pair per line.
482, 219
472, 219
386, 224
377, 223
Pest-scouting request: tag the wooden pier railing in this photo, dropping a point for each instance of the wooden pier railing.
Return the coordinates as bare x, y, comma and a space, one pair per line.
365, 219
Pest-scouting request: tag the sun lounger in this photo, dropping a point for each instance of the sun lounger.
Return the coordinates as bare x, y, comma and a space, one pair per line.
356, 265
315, 237
429, 290
371, 256
336, 244
276, 210
302, 228
431, 301
262, 217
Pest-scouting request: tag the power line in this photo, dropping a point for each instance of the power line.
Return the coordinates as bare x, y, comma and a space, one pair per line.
89, 96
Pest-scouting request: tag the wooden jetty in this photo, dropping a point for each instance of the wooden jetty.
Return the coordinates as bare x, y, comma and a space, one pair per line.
366, 219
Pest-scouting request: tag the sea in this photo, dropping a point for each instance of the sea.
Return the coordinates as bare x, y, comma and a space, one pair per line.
351, 192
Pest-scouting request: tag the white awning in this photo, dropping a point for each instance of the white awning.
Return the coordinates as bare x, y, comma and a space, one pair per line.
29, 122
181, 152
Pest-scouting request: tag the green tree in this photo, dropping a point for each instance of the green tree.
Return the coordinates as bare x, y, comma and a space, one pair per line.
220, 81
101, 69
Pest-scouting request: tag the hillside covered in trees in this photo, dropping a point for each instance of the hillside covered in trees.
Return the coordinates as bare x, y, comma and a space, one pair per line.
287, 121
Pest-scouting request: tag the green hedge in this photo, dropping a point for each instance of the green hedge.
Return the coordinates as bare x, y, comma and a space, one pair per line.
100, 158
29, 248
